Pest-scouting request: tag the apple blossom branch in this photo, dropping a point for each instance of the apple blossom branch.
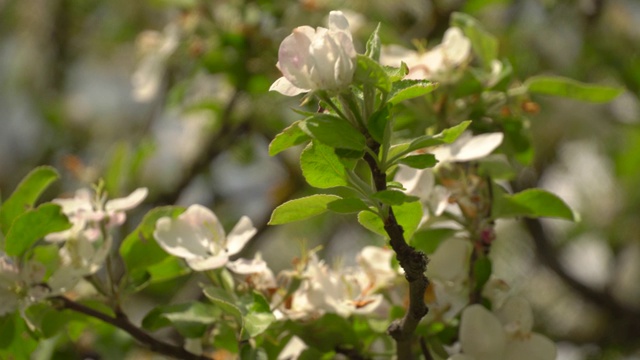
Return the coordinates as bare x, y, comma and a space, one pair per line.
121, 321
414, 264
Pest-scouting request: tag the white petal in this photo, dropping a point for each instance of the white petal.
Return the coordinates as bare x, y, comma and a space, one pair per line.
477, 147
285, 87
247, 266
516, 315
535, 347
450, 262
294, 57
208, 263
339, 22
457, 47
481, 334
179, 239
240, 235
294, 348
121, 204
206, 225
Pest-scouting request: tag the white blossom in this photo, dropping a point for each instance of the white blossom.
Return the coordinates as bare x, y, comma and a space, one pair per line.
86, 212
156, 48
198, 237
503, 335
20, 286
436, 64
316, 59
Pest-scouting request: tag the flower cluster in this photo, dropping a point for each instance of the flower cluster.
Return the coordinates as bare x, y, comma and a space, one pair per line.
317, 59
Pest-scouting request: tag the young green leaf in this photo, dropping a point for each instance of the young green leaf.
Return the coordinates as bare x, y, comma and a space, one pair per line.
26, 194
289, 137
395, 73
302, 208
421, 161
569, 88
333, 131
408, 89
482, 272
190, 319
408, 216
377, 124
347, 206
321, 167
393, 197
447, 136
370, 73
373, 45
32, 226
533, 203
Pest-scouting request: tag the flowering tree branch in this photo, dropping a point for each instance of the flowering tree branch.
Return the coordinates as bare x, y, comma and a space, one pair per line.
121, 321
414, 264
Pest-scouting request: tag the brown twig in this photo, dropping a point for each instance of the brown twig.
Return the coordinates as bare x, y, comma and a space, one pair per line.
121, 321
414, 264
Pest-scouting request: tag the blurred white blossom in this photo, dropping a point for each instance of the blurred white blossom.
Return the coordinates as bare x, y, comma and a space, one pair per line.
448, 274
198, 237
320, 59
503, 335
156, 48
86, 212
20, 286
437, 64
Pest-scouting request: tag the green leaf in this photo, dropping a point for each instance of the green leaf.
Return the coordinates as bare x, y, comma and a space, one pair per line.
327, 333
347, 206
533, 203
377, 124
256, 322
190, 319
484, 44
373, 45
421, 161
428, 240
482, 271
395, 73
393, 197
408, 89
32, 226
224, 301
26, 194
569, 88
334, 131
447, 136
370, 73
140, 251
321, 167
408, 216
289, 137
300, 209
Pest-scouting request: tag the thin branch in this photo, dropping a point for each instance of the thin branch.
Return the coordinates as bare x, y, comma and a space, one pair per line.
414, 264
121, 321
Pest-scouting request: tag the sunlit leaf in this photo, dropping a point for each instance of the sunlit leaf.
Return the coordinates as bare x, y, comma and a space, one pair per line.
302, 208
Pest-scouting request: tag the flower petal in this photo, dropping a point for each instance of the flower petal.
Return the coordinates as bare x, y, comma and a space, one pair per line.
121, 204
338, 22
285, 87
294, 58
481, 334
534, 347
247, 266
179, 239
477, 147
240, 235
208, 263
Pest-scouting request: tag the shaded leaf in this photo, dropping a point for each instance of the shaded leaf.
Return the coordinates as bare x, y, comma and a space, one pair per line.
32, 226
289, 137
321, 167
421, 161
533, 203
302, 208
569, 88
347, 206
333, 131
26, 194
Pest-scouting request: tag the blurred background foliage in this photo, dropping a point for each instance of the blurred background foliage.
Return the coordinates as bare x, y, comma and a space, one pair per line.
173, 95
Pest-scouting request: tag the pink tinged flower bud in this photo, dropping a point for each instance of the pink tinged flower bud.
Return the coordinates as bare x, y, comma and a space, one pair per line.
320, 59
